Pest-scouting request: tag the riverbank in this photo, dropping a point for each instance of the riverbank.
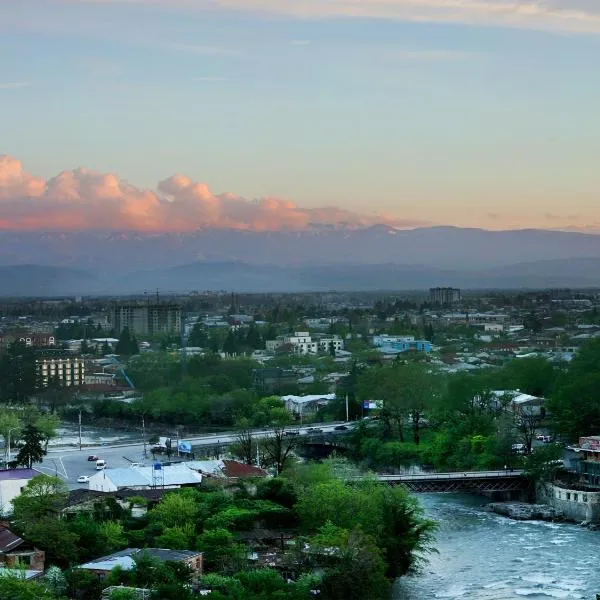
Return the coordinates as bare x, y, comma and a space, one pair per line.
523, 511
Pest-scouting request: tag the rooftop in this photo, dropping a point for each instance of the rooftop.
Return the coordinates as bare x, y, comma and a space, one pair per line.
16, 474
126, 558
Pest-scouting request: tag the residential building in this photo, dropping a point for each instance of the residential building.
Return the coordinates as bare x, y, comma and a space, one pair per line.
147, 319
12, 481
299, 405
444, 295
67, 369
125, 560
18, 557
394, 344
303, 343
230, 470
273, 380
143, 478
589, 464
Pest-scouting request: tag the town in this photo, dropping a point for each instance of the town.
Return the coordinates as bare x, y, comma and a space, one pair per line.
231, 417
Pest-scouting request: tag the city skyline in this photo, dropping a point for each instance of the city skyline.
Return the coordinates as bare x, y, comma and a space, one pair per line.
404, 112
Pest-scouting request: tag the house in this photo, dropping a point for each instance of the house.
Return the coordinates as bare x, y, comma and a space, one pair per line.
530, 405
588, 466
12, 481
395, 344
15, 554
231, 470
298, 405
273, 379
125, 559
144, 478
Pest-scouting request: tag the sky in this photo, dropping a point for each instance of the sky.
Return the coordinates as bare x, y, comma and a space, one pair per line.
268, 114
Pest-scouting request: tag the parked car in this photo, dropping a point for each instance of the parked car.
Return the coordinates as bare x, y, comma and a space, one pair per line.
92, 457
292, 432
341, 428
83, 479
316, 430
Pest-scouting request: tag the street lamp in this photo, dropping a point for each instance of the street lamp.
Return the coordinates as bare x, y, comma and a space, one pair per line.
8, 444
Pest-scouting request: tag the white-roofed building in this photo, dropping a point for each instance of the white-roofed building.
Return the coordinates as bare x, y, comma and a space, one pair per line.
144, 478
298, 405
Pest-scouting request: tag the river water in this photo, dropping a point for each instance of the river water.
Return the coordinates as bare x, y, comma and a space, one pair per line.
484, 556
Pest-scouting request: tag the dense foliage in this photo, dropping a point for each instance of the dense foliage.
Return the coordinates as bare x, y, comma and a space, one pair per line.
347, 537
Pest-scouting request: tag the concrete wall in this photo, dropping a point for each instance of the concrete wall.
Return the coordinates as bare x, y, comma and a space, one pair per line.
575, 505
9, 490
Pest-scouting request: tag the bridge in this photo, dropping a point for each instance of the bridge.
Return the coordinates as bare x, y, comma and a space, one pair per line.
472, 482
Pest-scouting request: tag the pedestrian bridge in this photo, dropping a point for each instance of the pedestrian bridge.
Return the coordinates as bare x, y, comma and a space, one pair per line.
472, 482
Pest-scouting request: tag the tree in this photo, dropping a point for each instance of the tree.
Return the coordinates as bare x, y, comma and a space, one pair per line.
527, 423
10, 427
42, 498
32, 449
127, 344
221, 551
198, 337
18, 374
13, 587
245, 446
354, 567
573, 406
176, 509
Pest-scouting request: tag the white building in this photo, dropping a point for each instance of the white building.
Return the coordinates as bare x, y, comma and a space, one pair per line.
298, 405
144, 478
12, 482
302, 343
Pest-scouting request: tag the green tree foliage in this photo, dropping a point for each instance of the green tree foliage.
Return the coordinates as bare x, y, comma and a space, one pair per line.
14, 587
222, 552
36, 514
354, 567
43, 497
18, 375
127, 344
575, 404
32, 447
176, 509
408, 391
389, 515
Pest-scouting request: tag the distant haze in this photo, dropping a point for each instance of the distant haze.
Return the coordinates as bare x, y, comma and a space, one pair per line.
377, 257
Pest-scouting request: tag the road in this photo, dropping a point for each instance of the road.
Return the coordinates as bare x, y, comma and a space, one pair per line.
69, 463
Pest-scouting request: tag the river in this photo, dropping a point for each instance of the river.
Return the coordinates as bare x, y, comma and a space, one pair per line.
484, 556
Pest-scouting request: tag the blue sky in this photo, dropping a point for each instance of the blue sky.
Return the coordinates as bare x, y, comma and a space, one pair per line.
480, 115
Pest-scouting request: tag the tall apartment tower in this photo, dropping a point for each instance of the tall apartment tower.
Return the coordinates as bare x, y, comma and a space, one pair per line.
147, 319
444, 295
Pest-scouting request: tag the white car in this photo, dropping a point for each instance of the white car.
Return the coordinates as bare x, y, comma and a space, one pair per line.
83, 479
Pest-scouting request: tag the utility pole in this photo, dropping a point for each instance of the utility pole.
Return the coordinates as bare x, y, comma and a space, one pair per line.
80, 428
347, 411
144, 436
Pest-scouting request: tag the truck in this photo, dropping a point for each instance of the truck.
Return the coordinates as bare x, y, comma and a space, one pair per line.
101, 464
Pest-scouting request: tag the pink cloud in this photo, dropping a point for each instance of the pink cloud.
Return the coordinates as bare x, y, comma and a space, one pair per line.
84, 199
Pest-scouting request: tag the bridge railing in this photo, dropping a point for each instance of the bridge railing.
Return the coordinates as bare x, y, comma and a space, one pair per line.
450, 476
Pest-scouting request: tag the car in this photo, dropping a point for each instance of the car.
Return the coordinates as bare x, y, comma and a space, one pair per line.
341, 428
83, 479
316, 430
292, 432
92, 457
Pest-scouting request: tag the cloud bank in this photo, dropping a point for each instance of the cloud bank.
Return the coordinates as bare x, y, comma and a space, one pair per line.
581, 16
81, 199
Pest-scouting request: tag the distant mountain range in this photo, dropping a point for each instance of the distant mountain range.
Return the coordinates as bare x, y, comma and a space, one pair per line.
82, 263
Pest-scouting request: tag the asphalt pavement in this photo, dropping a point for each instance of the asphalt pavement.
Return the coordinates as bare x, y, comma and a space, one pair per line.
69, 463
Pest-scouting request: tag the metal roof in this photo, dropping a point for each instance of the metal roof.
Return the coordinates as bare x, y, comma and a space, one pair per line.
142, 476
125, 558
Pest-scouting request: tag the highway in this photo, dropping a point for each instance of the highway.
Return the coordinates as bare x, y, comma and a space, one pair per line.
69, 463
